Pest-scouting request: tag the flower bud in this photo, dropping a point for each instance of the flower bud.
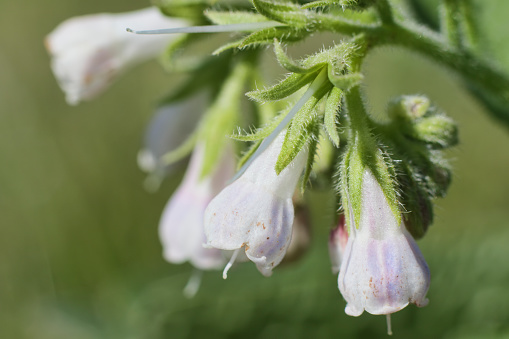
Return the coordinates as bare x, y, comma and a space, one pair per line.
382, 270
256, 210
437, 130
89, 52
418, 120
181, 226
408, 107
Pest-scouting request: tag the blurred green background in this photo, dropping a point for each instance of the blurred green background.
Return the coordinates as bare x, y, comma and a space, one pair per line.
79, 253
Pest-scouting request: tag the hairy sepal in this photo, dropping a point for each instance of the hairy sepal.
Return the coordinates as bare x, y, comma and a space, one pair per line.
332, 110
233, 17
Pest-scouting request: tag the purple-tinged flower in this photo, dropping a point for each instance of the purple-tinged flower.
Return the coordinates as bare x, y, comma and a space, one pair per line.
383, 270
170, 126
181, 226
88, 52
255, 212
338, 239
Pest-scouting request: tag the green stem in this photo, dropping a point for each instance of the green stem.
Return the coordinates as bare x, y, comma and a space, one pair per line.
469, 25
385, 11
450, 26
468, 66
486, 81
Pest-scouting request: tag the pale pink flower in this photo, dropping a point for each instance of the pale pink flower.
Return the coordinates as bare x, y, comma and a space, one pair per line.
383, 270
89, 52
255, 212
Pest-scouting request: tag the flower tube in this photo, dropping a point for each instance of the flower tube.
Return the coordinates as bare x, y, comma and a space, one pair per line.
383, 269
181, 226
89, 52
255, 212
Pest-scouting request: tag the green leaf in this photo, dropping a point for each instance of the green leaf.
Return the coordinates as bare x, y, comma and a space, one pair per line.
267, 35
332, 109
286, 62
320, 3
285, 12
228, 46
222, 116
180, 152
245, 157
283, 89
263, 132
233, 17
346, 81
312, 149
299, 131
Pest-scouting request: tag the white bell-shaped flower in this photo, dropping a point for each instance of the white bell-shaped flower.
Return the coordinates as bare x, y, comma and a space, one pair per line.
383, 269
181, 227
256, 210
89, 52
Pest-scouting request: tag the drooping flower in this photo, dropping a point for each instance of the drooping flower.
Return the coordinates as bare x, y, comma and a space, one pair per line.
383, 269
181, 227
169, 127
255, 212
89, 52
338, 239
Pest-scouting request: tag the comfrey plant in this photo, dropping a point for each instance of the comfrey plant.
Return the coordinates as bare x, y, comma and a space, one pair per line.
384, 174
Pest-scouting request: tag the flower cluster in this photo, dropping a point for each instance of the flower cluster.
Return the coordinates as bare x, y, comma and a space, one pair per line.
384, 175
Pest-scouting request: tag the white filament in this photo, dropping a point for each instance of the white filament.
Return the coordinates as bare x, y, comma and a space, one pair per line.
389, 325
193, 285
244, 27
230, 263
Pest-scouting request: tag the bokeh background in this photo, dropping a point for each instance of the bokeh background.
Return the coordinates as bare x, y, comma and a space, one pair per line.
79, 253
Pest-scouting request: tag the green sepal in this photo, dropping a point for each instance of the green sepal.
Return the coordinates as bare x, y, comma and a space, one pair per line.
172, 59
332, 109
260, 133
320, 3
228, 46
191, 9
312, 150
221, 118
290, 65
408, 107
267, 35
345, 81
179, 153
296, 138
285, 12
417, 205
437, 130
356, 4
300, 130
233, 17
283, 89
418, 120
366, 152
251, 150
209, 74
